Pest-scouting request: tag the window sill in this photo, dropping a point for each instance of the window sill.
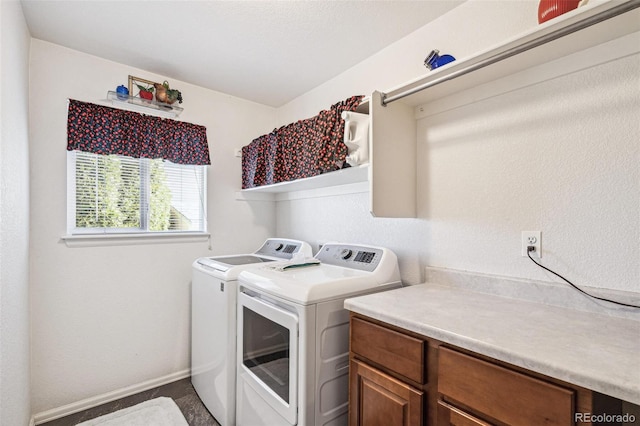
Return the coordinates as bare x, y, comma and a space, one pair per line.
99, 240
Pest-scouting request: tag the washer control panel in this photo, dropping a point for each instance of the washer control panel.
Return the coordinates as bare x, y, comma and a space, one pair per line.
352, 256
283, 248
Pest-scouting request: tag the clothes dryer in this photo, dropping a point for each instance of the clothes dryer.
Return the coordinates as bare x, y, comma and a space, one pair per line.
293, 334
213, 321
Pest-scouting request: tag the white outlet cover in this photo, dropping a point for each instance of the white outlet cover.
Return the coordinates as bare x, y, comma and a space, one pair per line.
531, 238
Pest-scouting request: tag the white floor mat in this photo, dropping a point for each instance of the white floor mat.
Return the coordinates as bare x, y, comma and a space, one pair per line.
155, 412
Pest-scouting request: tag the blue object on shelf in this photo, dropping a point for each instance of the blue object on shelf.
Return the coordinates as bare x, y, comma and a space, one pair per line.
434, 60
123, 92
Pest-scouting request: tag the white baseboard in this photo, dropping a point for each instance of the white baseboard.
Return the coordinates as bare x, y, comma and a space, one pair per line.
65, 410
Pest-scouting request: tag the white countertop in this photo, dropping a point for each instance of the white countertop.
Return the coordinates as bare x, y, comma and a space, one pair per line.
591, 350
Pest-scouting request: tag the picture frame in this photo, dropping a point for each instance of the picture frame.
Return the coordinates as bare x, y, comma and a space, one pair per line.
137, 80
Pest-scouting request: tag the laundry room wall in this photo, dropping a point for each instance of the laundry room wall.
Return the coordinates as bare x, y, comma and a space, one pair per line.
15, 388
560, 157
110, 319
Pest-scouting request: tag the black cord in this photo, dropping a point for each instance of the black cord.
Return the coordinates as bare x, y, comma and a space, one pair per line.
575, 286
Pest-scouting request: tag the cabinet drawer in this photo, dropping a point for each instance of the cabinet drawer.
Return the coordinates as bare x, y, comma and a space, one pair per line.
501, 393
398, 352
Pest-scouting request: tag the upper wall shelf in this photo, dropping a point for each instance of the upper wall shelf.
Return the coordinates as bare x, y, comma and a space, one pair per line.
447, 82
144, 106
393, 143
392, 172
339, 178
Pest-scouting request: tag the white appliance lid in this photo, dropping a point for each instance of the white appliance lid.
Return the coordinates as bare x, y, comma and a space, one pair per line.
228, 267
224, 263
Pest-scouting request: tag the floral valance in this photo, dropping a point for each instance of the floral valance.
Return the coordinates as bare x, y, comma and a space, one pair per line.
103, 130
298, 150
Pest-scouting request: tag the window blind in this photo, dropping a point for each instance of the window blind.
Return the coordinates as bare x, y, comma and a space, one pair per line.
112, 193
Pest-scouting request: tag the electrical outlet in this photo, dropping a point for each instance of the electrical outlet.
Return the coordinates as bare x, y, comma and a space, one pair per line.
237, 152
531, 238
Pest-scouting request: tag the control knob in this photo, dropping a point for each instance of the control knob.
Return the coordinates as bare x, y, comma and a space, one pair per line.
346, 254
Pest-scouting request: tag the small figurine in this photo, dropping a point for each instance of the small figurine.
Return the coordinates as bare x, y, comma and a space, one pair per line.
123, 92
434, 60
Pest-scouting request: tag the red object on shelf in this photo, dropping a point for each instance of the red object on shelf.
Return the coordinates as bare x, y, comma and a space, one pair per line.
549, 9
146, 95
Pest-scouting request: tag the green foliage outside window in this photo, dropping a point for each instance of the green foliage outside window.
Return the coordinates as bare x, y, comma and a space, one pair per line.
160, 198
108, 193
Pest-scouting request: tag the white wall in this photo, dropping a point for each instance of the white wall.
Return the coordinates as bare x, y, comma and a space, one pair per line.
14, 218
472, 26
560, 157
104, 318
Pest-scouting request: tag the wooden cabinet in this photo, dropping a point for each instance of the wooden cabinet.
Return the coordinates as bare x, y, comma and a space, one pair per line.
387, 376
398, 377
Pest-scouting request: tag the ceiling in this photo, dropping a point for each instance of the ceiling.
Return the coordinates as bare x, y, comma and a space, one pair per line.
266, 51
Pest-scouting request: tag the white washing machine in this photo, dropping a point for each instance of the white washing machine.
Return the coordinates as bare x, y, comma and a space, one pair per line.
213, 321
293, 334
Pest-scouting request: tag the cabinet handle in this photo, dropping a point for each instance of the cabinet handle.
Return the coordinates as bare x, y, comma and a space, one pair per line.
342, 366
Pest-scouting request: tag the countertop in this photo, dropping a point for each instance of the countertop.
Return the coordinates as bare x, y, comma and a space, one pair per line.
591, 350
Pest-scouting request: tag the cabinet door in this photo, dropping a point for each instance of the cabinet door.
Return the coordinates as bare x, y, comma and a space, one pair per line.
451, 416
377, 399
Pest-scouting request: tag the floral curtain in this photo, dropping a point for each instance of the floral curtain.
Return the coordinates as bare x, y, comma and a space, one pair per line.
302, 149
103, 130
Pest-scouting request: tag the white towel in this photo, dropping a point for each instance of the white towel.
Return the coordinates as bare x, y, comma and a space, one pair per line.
155, 412
294, 263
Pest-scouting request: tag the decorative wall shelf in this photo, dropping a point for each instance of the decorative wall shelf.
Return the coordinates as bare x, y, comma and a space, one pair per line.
152, 107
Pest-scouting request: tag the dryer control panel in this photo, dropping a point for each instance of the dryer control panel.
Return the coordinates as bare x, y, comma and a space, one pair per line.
364, 258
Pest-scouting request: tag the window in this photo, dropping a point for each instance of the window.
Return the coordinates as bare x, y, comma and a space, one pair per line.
118, 194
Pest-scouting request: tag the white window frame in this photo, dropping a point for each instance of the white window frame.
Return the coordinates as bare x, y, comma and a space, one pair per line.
117, 236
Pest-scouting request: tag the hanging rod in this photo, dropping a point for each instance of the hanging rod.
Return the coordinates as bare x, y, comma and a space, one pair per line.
569, 29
